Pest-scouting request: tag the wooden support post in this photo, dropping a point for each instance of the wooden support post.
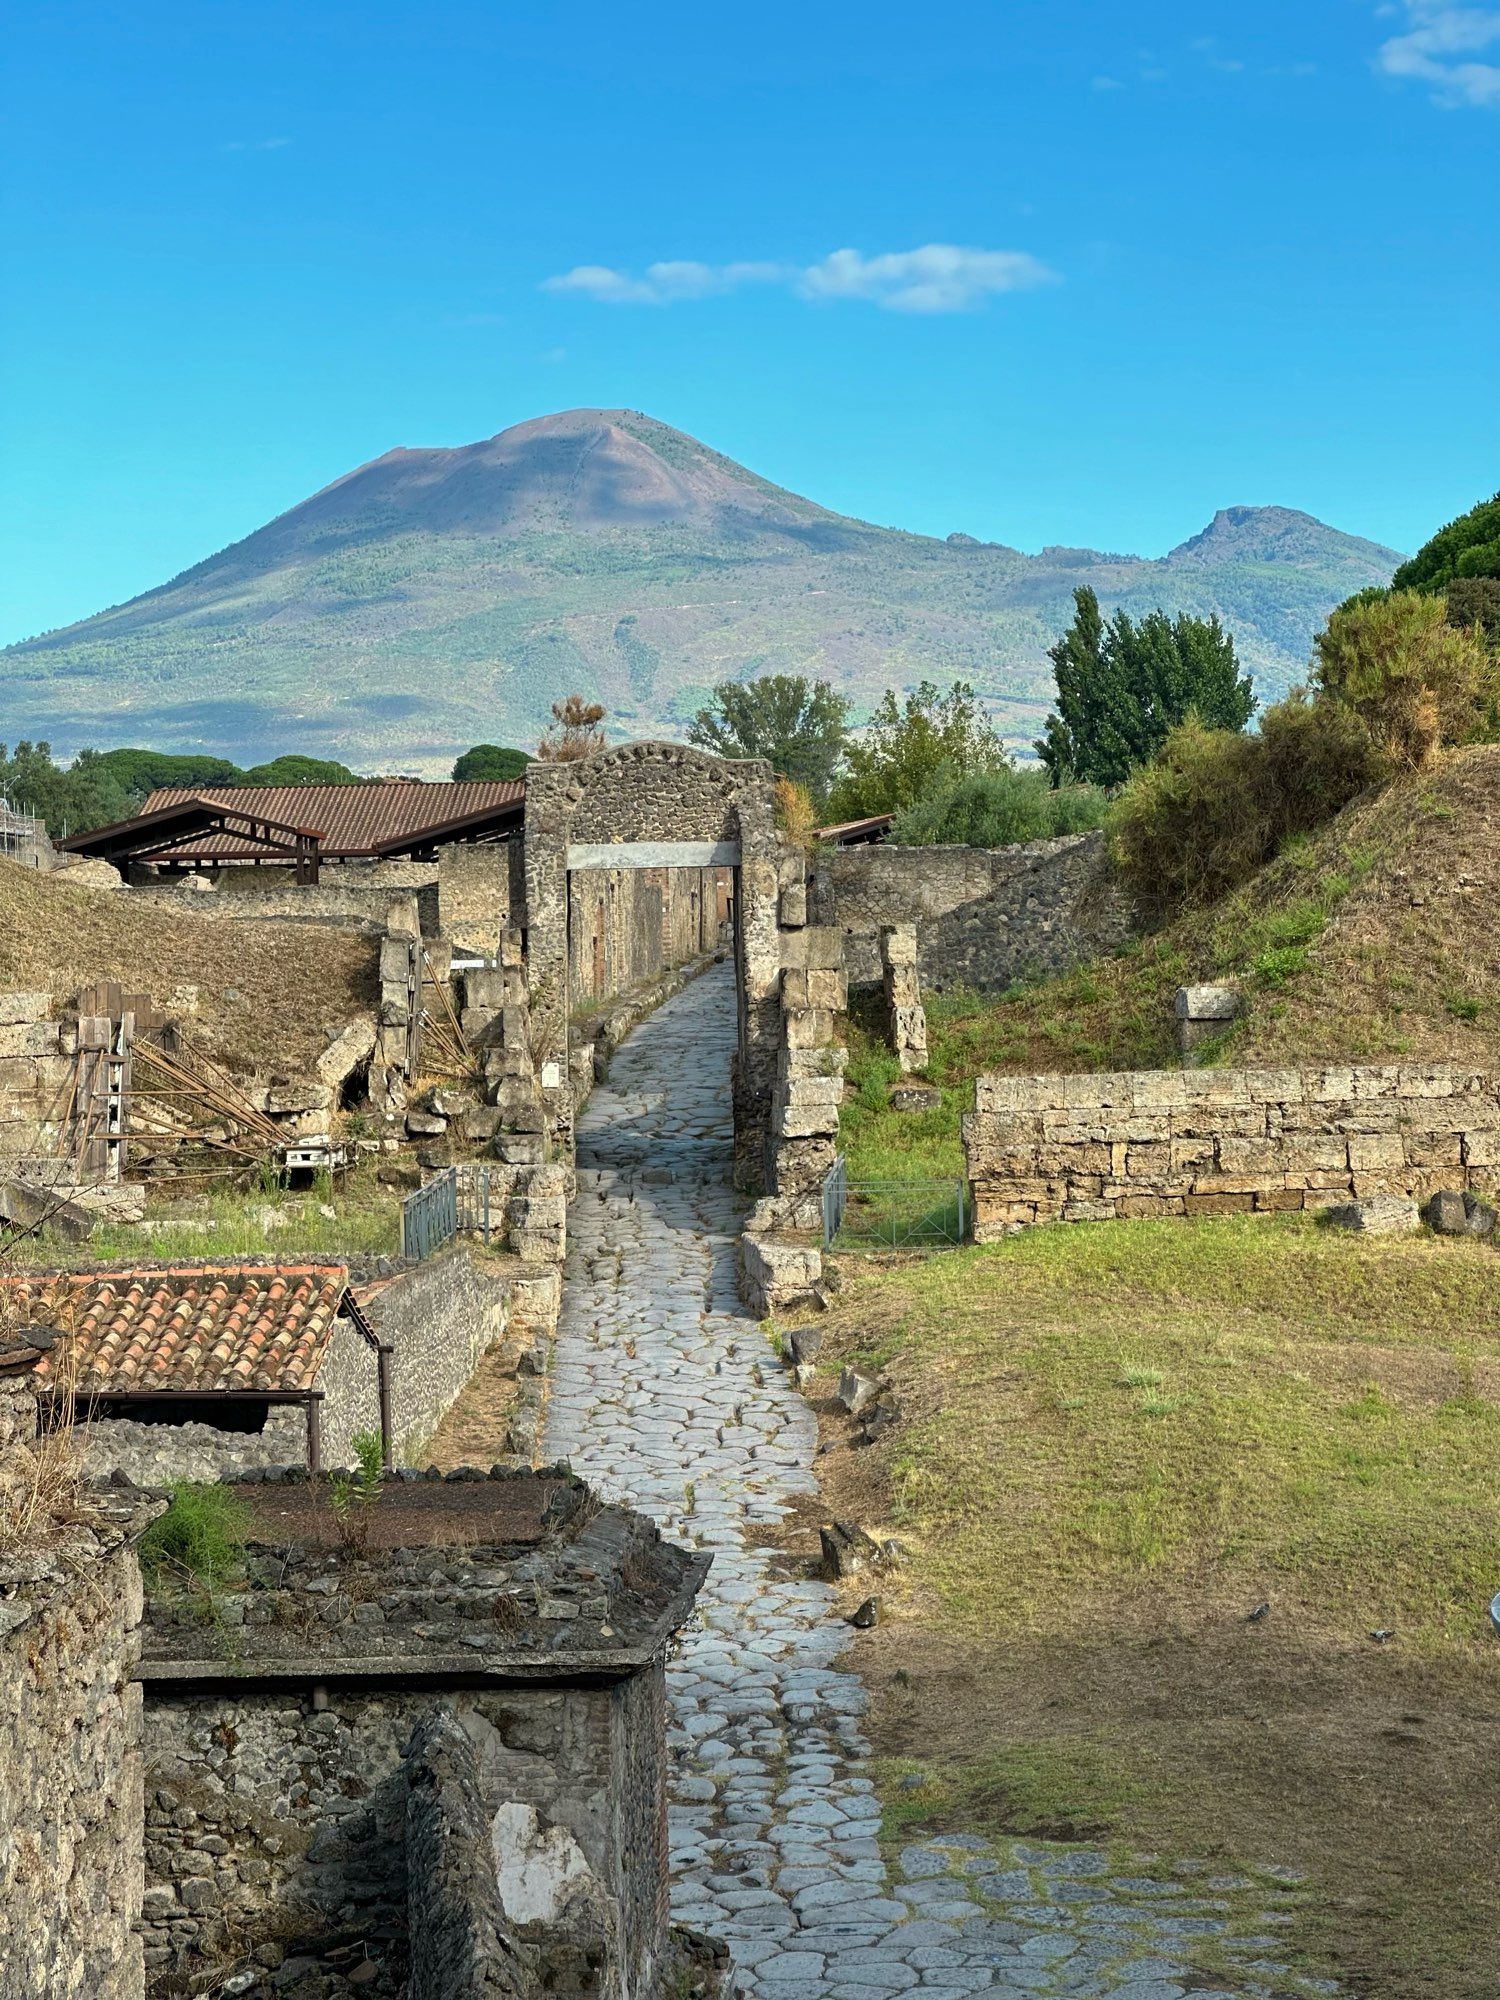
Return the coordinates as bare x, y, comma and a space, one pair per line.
315, 1432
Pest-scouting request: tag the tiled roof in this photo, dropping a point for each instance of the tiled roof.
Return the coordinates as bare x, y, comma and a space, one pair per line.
351, 819
234, 1329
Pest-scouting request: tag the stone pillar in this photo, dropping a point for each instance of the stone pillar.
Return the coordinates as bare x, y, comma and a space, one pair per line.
809, 1074
1202, 1012
906, 1019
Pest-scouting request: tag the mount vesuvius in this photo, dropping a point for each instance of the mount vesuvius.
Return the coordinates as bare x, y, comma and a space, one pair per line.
436, 598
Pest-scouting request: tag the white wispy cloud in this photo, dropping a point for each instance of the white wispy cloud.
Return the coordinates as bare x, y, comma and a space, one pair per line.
1442, 46
934, 278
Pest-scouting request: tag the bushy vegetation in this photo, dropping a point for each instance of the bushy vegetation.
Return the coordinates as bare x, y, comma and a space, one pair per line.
1123, 686
998, 808
101, 786
1467, 547
797, 725
914, 747
1414, 680
199, 1542
1215, 805
491, 761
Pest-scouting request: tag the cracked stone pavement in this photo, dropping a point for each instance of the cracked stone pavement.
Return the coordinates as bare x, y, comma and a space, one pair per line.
665, 1394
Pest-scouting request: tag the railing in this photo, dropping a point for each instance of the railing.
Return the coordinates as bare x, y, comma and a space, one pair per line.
474, 1202
429, 1218
892, 1215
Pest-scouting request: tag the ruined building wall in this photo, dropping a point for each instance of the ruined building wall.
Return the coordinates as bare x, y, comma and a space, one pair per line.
37, 1060
439, 1318
1186, 1142
70, 1755
984, 916
628, 925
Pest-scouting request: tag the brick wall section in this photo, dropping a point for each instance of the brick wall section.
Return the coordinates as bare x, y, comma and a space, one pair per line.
70, 1756
984, 916
1188, 1142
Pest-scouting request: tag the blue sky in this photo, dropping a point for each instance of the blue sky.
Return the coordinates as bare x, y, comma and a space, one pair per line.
1187, 256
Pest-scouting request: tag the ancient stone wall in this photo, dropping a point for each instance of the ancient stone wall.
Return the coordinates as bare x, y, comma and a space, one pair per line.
984, 916
347, 893
628, 925
905, 1016
153, 1455
1190, 1142
70, 1751
37, 1060
459, 1941
652, 793
439, 1317
481, 892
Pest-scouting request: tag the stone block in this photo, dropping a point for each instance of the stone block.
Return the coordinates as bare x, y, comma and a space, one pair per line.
1446, 1213
1376, 1215
1481, 1149
19, 1007
808, 1027
793, 907
30, 1038
395, 961
485, 988
286, 1095
1206, 1003
1376, 1153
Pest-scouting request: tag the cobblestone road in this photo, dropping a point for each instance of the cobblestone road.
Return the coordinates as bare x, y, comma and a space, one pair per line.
666, 1395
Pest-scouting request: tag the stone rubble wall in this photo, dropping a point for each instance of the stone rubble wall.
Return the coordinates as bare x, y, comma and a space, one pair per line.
71, 1857
460, 1942
481, 892
1192, 1142
439, 1317
153, 1455
983, 916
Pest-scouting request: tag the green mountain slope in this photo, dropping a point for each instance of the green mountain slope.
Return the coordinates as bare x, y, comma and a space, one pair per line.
436, 598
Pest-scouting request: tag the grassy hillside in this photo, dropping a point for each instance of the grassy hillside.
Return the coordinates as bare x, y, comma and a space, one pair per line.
433, 599
1378, 939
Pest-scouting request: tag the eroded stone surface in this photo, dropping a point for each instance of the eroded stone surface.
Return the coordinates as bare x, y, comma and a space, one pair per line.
666, 1395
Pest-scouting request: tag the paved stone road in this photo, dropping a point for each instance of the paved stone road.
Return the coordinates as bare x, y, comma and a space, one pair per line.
666, 1395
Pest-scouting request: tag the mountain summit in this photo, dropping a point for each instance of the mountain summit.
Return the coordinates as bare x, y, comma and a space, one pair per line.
437, 597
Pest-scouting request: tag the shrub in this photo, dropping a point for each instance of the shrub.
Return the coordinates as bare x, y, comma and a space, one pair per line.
1414, 680
1469, 546
1216, 805
200, 1540
998, 809
795, 814
1475, 600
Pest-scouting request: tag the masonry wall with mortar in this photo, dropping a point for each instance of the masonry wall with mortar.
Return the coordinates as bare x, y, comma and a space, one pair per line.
71, 1857
983, 916
38, 1056
1185, 1142
905, 1017
438, 1318
277, 1813
659, 792
629, 925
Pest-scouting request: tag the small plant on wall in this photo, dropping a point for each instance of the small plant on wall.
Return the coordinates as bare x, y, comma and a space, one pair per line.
353, 1495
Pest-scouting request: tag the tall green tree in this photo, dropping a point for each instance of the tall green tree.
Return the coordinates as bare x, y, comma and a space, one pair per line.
798, 726
295, 769
491, 760
1469, 546
1123, 686
69, 798
915, 747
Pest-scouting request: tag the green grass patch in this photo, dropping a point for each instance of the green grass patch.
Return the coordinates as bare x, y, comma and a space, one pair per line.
198, 1544
229, 1223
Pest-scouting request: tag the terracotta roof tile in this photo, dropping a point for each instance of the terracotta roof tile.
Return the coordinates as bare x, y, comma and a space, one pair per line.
234, 1329
351, 819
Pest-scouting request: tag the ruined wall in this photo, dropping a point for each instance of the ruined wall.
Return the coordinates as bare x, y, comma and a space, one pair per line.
657, 792
1186, 1142
70, 1753
460, 1942
984, 916
353, 893
37, 1060
628, 925
153, 1455
439, 1318
481, 892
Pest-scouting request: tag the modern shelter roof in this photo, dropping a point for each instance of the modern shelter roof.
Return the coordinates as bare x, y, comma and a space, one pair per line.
229, 1329
352, 822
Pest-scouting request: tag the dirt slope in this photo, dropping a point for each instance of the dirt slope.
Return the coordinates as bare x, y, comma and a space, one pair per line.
267, 993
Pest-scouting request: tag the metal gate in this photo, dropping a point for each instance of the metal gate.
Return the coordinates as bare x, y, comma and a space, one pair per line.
892, 1214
